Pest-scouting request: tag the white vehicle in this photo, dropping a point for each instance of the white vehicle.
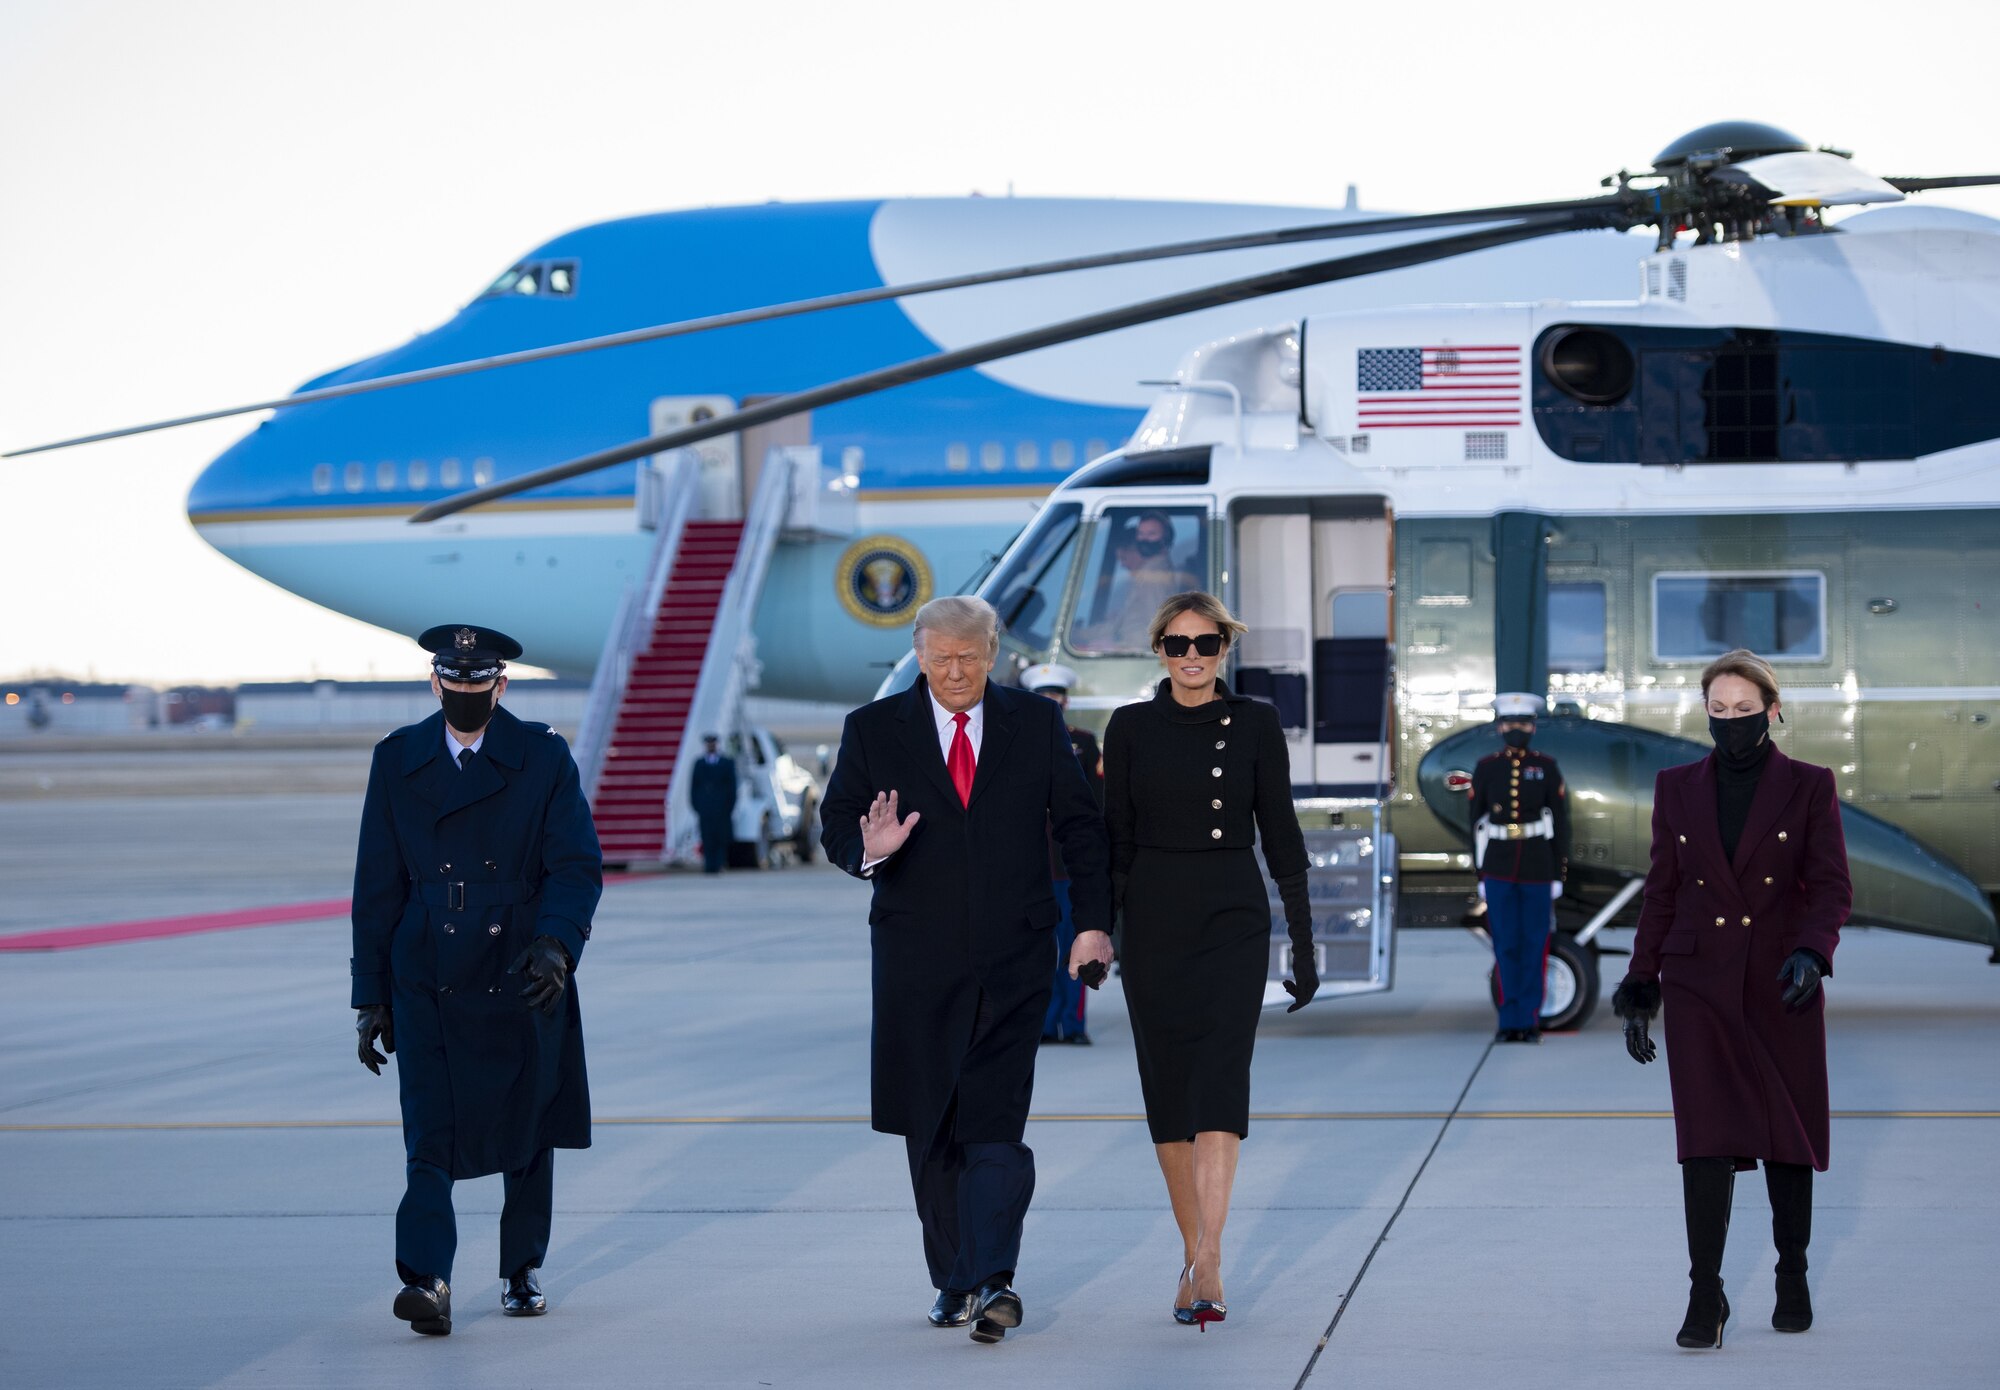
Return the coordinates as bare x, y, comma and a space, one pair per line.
777, 803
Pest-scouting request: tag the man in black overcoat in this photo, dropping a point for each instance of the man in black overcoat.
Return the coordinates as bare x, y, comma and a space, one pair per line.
712, 794
945, 797
474, 886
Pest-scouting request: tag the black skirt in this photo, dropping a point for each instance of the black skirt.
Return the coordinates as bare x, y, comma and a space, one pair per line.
1195, 954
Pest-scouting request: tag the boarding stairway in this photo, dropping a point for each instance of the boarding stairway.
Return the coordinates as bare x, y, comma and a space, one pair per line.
678, 660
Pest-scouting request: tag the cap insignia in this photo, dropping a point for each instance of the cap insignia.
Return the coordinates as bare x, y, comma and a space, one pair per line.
465, 639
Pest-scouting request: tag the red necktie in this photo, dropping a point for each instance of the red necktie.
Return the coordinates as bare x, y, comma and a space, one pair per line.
960, 764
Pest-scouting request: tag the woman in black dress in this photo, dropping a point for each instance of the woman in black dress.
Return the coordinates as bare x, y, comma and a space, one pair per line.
1185, 775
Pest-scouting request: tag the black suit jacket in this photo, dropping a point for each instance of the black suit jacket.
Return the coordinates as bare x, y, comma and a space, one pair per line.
966, 906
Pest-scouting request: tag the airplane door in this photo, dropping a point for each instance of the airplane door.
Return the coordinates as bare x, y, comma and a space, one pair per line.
719, 495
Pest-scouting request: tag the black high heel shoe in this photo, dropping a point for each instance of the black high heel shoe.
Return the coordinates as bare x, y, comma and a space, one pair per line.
1707, 1313
1183, 1313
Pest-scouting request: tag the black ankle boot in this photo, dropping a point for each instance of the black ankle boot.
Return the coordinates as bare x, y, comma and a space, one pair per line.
1708, 1186
1790, 1187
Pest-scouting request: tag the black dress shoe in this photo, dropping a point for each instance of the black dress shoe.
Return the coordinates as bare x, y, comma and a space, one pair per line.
952, 1309
425, 1304
522, 1297
995, 1308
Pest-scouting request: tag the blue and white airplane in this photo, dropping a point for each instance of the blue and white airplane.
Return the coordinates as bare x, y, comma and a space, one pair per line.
317, 498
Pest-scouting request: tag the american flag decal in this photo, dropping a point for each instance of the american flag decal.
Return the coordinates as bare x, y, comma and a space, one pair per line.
1437, 387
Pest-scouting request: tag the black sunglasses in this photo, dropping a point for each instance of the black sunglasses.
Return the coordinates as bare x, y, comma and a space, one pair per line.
1208, 644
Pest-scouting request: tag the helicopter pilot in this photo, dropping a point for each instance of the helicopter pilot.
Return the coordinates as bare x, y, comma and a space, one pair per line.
1520, 822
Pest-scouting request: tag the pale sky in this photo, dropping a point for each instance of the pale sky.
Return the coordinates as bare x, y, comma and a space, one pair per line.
204, 203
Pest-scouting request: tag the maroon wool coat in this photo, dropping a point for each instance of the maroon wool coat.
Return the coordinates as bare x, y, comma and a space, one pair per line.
1749, 1078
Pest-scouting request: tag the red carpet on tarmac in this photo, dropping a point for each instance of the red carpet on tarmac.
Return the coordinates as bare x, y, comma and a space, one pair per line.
110, 933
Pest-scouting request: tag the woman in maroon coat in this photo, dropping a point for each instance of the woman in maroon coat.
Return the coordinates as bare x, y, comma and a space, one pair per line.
1743, 909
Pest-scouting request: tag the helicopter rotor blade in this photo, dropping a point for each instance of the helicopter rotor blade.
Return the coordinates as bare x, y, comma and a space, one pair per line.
1284, 236
1960, 181
937, 364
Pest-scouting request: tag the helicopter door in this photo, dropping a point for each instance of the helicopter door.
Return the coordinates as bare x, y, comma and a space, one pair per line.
719, 494
1274, 597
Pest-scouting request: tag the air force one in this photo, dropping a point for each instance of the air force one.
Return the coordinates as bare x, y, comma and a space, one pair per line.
933, 478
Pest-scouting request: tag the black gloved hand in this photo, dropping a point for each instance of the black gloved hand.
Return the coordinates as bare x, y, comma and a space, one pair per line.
371, 1023
1636, 1001
1304, 983
547, 964
1800, 975
1092, 973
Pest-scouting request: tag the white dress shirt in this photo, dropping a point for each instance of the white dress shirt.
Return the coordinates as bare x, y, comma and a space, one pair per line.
452, 745
947, 729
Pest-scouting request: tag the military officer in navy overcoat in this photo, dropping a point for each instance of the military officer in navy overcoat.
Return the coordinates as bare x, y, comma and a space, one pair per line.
474, 885
1520, 833
712, 793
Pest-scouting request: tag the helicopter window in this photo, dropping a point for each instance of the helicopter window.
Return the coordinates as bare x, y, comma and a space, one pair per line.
1028, 584
322, 477
1780, 616
1576, 629
1359, 613
1444, 572
1143, 556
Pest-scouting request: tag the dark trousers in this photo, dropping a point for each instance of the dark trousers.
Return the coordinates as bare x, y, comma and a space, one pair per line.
971, 1198
1065, 1016
427, 1228
715, 836
1518, 919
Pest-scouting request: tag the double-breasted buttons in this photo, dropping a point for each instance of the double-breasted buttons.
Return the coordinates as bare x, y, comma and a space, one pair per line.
1682, 838
1720, 922
1701, 883
1781, 834
1225, 721
1216, 805
1215, 834
1222, 743
493, 930
1746, 921
1767, 882
1215, 772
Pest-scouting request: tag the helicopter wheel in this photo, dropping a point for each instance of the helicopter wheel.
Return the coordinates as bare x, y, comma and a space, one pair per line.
1569, 985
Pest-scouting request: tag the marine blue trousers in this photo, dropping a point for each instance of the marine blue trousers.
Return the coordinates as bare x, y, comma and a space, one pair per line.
1518, 919
427, 1228
1065, 1016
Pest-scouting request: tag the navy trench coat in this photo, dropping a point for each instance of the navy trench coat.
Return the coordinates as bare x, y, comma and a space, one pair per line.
966, 909
457, 871
1749, 1077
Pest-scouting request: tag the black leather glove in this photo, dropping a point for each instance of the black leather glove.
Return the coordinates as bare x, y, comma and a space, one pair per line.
1636, 1001
547, 965
1800, 975
1304, 983
371, 1023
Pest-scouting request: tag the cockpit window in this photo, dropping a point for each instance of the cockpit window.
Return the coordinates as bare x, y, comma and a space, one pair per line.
561, 278
535, 277
1141, 557
1027, 587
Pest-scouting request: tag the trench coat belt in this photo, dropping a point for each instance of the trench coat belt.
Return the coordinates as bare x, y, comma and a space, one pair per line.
455, 896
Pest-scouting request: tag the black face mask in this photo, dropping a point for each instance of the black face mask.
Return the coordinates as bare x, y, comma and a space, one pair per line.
1517, 738
1150, 548
468, 710
1739, 739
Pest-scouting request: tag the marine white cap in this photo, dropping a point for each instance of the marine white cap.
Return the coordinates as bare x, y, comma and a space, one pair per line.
1050, 675
1516, 705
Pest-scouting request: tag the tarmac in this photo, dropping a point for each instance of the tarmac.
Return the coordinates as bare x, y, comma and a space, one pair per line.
197, 1179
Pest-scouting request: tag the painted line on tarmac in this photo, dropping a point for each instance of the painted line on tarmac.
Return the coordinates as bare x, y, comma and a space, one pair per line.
696, 1121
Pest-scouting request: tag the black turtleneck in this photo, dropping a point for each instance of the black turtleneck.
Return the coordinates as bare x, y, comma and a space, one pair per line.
1735, 789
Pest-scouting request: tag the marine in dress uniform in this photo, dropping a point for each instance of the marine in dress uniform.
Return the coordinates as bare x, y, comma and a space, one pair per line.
712, 793
1064, 1022
475, 881
1520, 827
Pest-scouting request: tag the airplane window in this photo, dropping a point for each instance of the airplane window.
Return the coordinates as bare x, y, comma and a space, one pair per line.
354, 477
1095, 448
448, 473
385, 476
1026, 455
992, 456
1143, 556
322, 477
420, 475
562, 277
1062, 455
482, 472
1781, 617
1027, 586
1576, 629
957, 457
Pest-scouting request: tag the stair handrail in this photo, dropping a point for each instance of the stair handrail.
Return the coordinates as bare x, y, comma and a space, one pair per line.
730, 660
632, 625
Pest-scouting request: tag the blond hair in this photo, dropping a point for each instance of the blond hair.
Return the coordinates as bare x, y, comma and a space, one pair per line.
957, 615
1750, 666
1201, 605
